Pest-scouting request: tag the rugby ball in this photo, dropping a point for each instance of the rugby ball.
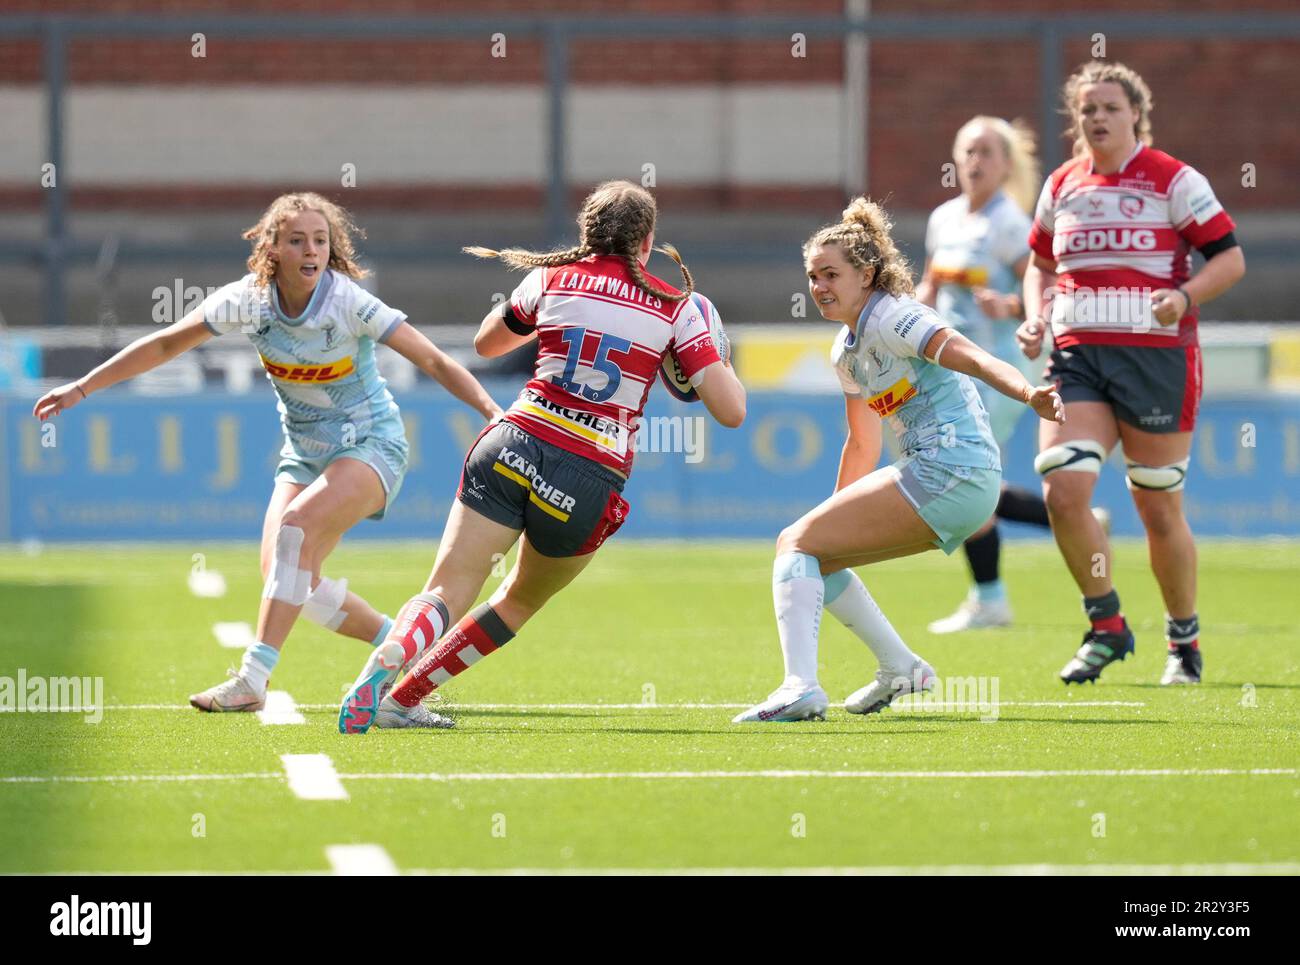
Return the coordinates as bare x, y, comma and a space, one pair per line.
670, 373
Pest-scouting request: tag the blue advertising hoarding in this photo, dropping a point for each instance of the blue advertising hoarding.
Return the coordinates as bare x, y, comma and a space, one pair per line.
137, 467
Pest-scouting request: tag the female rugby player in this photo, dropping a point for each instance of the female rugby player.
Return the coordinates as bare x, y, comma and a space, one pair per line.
345, 452
1112, 238
896, 360
553, 469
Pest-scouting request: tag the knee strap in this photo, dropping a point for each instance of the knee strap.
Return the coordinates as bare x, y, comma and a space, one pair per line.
1077, 455
287, 582
1163, 479
325, 603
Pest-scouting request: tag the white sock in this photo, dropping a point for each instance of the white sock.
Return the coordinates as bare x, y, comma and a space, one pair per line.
259, 660
849, 602
797, 596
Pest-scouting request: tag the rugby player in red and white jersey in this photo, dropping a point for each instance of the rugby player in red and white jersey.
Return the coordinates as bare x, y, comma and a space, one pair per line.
1111, 240
553, 468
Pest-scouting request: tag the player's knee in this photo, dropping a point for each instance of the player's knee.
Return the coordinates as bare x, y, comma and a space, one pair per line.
288, 581
324, 605
1161, 517
1156, 479
1075, 456
791, 539
1066, 496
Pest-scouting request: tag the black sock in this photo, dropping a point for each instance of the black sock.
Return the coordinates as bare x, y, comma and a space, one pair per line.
982, 553
1182, 633
1018, 505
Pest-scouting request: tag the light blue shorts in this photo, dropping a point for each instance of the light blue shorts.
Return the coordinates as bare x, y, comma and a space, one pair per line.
387, 456
953, 500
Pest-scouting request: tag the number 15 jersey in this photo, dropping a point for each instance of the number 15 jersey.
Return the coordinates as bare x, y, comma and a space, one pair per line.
601, 341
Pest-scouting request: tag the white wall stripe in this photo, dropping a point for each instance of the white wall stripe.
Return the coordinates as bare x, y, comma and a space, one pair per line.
360, 859
312, 777
280, 709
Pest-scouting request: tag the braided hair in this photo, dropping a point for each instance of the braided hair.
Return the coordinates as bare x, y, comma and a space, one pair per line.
614, 220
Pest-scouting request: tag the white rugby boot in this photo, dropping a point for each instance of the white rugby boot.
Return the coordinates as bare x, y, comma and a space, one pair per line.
974, 615
787, 704
880, 693
391, 714
234, 694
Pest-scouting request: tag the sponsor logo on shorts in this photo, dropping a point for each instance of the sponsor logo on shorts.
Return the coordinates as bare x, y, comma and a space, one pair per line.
515, 467
888, 402
329, 372
1156, 418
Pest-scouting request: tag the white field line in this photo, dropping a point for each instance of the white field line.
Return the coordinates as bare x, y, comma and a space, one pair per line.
315, 773
971, 706
233, 636
1144, 870
280, 709
360, 859
312, 777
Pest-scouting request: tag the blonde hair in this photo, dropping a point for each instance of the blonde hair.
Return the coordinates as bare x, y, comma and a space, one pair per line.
1100, 72
614, 220
863, 234
266, 232
1020, 146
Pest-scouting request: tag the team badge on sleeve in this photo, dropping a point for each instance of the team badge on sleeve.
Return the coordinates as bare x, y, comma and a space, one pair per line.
670, 373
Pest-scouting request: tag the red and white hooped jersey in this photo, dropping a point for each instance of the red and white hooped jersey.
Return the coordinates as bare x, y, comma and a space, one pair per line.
1116, 238
601, 342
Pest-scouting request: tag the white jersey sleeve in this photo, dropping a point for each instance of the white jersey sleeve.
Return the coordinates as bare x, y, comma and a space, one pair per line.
1191, 199
231, 308
527, 295
692, 343
907, 329
367, 315
843, 364
1045, 211
1010, 241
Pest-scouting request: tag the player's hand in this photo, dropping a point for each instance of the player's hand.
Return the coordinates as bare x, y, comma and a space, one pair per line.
58, 400
993, 304
1168, 305
1046, 401
1030, 336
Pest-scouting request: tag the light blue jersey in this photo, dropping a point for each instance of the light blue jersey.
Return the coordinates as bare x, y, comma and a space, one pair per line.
979, 249
935, 412
333, 402
321, 364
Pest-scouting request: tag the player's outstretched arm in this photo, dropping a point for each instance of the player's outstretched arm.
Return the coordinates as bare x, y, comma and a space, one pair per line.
722, 394
495, 337
140, 356
955, 351
862, 444
408, 342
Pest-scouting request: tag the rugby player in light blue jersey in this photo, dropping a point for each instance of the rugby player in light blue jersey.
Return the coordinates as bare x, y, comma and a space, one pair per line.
977, 249
345, 452
897, 361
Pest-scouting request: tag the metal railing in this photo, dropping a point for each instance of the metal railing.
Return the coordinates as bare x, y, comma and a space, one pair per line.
557, 32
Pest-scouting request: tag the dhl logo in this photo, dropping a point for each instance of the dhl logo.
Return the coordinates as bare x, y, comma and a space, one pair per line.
887, 402
329, 372
976, 277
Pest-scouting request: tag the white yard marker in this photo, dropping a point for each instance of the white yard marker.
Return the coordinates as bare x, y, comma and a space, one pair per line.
312, 777
280, 709
360, 859
207, 582
233, 636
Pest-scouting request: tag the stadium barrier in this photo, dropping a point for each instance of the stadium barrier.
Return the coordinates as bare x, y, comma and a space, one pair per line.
134, 467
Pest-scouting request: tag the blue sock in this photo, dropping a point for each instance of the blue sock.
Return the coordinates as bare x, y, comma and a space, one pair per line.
991, 592
383, 632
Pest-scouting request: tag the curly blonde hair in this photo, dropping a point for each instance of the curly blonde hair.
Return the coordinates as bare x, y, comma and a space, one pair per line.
1100, 72
863, 234
266, 232
614, 220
